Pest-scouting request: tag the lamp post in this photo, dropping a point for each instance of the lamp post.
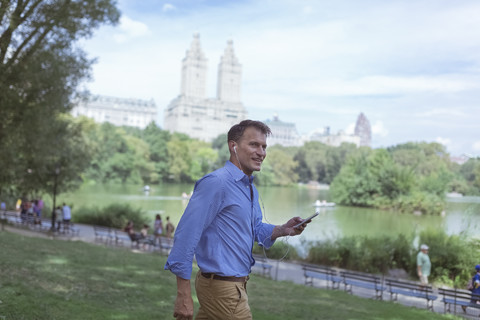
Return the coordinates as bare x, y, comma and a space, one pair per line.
57, 172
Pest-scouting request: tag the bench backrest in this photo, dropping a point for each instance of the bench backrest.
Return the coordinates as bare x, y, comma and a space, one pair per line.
409, 285
361, 276
101, 228
458, 294
319, 269
121, 233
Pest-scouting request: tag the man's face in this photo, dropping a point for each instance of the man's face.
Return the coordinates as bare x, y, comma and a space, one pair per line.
251, 150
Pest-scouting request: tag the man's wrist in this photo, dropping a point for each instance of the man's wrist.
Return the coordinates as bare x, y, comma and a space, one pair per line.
278, 231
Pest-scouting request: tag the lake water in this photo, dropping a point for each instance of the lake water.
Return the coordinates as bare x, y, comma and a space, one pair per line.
281, 203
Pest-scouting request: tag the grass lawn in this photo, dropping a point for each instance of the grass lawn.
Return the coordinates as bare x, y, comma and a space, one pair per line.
53, 279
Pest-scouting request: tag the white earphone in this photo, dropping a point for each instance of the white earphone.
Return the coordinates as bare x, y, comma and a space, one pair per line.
235, 149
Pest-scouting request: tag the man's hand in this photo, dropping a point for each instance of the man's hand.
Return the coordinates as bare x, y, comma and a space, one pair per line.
184, 302
288, 229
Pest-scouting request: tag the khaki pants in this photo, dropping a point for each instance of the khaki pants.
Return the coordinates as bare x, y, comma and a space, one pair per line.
221, 300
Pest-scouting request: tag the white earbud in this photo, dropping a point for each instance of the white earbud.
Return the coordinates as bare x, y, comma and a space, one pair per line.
235, 149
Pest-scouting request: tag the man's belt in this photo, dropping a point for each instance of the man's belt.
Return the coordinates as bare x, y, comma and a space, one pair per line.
217, 277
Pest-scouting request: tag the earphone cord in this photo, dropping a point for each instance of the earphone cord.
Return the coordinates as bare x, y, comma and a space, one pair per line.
285, 239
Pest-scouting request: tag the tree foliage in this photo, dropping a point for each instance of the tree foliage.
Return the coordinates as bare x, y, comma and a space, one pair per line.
410, 177
40, 69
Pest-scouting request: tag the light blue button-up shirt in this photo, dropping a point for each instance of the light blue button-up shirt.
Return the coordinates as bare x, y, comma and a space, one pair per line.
219, 226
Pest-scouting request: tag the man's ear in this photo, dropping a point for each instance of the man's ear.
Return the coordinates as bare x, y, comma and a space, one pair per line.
232, 146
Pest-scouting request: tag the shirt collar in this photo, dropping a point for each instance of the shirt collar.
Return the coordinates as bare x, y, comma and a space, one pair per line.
238, 174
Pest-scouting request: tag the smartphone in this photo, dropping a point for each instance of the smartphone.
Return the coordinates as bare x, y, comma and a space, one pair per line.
306, 220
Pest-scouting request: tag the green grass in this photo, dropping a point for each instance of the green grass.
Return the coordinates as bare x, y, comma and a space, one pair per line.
52, 279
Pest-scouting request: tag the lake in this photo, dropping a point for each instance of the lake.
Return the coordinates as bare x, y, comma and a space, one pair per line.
281, 203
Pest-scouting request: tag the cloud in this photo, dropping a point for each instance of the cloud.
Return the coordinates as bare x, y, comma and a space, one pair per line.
130, 29
476, 145
379, 129
442, 112
168, 7
350, 128
307, 9
445, 141
388, 85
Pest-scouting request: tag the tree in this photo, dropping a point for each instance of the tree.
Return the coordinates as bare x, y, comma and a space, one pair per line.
57, 159
203, 160
179, 158
40, 69
220, 144
303, 171
157, 139
282, 165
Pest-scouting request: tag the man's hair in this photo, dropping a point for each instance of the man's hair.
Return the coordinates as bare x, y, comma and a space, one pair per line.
236, 132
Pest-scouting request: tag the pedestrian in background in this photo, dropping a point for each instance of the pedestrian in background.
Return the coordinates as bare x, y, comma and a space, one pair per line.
169, 228
157, 227
423, 264
67, 217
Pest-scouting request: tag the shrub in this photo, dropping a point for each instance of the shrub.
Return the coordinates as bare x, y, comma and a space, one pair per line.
114, 216
278, 251
360, 253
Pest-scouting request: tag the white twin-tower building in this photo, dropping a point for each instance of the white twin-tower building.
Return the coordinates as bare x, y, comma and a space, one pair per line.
192, 112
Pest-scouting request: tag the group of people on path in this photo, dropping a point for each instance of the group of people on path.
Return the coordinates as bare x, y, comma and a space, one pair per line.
63, 216
30, 210
157, 230
158, 227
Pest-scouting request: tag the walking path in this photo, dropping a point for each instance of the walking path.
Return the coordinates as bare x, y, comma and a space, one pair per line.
280, 271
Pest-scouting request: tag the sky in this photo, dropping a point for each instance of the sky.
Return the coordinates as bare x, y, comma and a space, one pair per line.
412, 67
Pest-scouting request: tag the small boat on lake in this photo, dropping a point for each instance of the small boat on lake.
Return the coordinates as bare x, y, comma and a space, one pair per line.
319, 204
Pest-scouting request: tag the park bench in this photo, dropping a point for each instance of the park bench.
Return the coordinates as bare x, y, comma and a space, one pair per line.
103, 234
44, 225
12, 217
121, 237
68, 229
147, 242
363, 280
261, 262
411, 289
311, 272
71, 229
458, 297
165, 244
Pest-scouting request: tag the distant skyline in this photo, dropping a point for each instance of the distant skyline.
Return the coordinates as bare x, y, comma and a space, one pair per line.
412, 67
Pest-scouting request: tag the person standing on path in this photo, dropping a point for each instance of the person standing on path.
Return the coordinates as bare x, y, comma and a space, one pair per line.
169, 228
67, 216
158, 227
222, 221
423, 264
474, 287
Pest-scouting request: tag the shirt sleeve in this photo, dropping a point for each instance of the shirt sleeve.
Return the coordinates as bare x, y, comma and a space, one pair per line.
263, 231
419, 260
202, 208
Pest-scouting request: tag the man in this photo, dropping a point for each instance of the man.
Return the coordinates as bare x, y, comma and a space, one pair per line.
67, 216
423, 264
169, 228
219, 226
